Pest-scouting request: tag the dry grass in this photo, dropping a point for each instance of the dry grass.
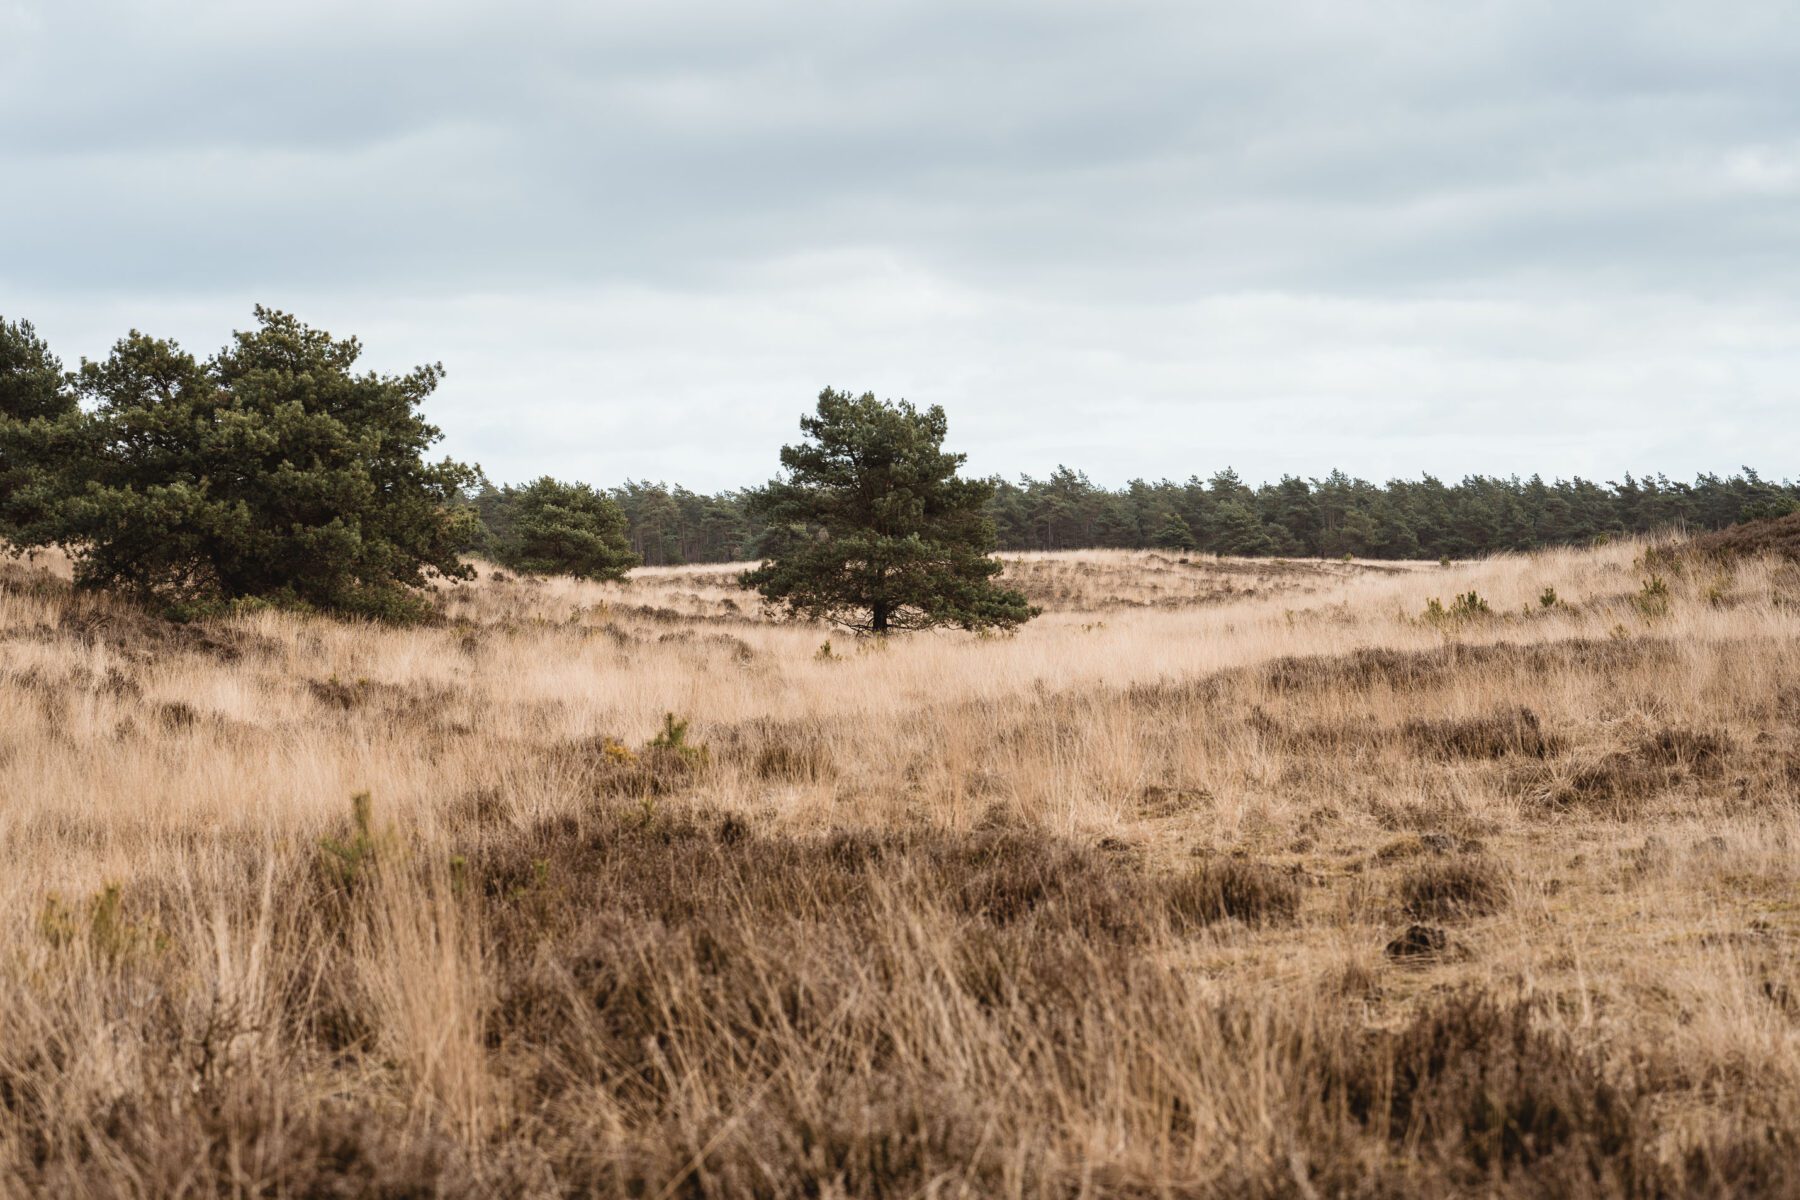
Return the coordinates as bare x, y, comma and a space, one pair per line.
1221, 878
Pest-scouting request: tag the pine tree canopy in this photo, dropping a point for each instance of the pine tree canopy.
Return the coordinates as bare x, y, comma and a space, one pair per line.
38, 433
883, 534
273, 471
549, 527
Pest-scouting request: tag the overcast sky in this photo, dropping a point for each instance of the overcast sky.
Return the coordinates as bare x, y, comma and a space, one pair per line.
1138, 238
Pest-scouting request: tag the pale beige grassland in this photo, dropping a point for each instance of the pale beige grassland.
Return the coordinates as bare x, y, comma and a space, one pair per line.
1099, 908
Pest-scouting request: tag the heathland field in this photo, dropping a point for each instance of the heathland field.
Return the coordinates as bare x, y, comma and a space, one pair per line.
1222, 877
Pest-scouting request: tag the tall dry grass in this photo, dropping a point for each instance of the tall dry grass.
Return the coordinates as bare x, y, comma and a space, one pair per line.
1219, 878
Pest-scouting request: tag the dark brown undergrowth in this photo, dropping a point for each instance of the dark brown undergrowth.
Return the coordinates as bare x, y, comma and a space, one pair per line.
1252, 892
680, 1005
1508, 731
1775, 536
1409, 670
1622, 782
1514, 731
20, 578
1467, 885
1316, 738
1479, 1087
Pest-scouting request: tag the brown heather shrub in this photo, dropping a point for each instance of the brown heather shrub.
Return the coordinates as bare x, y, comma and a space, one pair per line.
1621, 783
21, 578
796, 762
139, 636
1413, 670
676, 868
342, 1149
1777, 537
1475, 1084
1008, 876
1509, 731
1617, 786
692, 1006
1177, 698
1484, 1099
1699, 751
1159, 800
1413, 844
1252, 892
1318, 737
1468, 885
177, 714
1361, 669
1418, 942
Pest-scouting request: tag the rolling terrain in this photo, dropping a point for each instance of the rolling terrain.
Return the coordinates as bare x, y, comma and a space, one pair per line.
1222, 877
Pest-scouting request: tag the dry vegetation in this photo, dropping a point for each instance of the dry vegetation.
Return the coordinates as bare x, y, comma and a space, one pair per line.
1220, 878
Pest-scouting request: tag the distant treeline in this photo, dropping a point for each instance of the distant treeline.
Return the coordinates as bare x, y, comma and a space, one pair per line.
1329, 517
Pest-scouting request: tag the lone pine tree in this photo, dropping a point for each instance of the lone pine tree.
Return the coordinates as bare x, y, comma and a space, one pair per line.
881, 534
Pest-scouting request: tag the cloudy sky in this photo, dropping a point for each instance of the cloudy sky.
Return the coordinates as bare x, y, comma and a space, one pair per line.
1141, 238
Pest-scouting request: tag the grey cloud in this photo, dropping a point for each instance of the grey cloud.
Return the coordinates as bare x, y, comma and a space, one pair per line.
967, 181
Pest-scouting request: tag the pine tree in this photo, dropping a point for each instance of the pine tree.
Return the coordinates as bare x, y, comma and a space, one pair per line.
1172, 533
549, 527
893, 539
1238, 531
273, 470
39, 434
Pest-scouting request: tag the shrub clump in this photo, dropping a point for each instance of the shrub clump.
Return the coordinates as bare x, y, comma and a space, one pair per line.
1777, 537
667, 763
1007, 877
1474, 1084
1468, 885
1419, 941
1252, 892
1697, 750
1410, 670
1468, 606
1622, 781
1507, 731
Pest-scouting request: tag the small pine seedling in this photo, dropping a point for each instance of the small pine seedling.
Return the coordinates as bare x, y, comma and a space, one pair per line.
351, 858
1652, 599
674, 737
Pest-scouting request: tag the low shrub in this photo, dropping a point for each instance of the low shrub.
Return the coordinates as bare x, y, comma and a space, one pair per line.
1468, 885
1468, 606
1252, 892
1508, 731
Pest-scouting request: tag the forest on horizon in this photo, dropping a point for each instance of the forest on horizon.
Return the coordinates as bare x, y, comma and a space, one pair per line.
1222, 514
